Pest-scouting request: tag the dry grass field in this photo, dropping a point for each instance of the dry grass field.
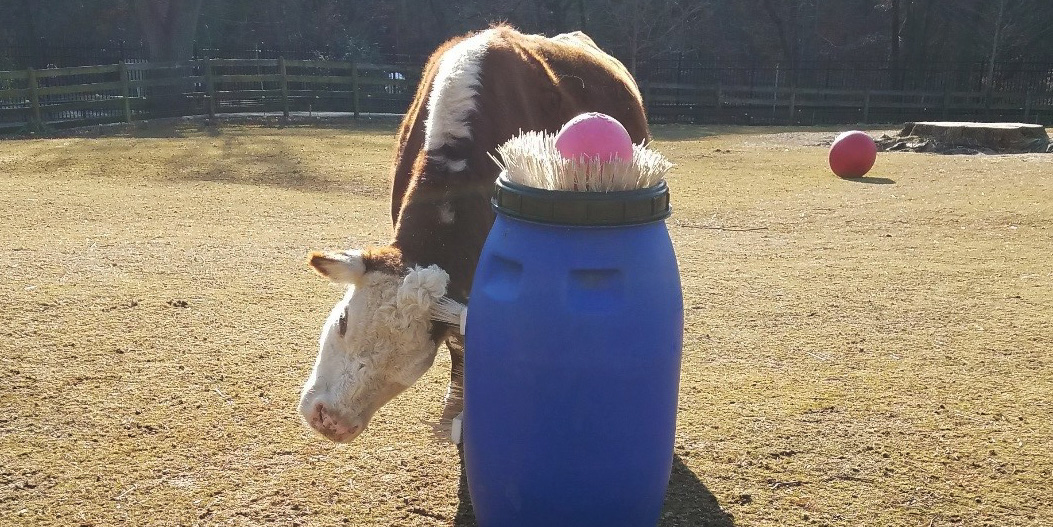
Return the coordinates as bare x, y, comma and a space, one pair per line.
871, 352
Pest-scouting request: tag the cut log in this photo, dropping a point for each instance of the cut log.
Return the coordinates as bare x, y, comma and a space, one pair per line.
964, 137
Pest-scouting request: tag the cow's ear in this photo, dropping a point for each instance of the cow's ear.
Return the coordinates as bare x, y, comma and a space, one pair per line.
343, 268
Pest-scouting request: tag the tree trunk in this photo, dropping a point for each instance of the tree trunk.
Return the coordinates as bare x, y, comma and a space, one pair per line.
35, 42
894, 50
168, 26
634, 36
780, 28
921, 44
993, 57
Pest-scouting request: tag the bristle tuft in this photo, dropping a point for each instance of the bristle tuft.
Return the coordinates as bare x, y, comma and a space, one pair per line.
531, 159
447, 311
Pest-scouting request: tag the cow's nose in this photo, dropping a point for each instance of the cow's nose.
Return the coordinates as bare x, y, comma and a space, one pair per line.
329, 424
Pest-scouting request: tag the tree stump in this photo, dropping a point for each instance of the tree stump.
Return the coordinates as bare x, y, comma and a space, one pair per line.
969, 138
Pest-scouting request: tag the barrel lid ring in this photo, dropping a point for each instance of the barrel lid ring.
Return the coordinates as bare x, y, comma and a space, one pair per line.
565, 207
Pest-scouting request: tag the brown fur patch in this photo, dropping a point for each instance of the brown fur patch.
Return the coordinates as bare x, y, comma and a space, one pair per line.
385, 259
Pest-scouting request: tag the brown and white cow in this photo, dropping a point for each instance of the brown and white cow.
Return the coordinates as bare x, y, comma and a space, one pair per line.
476, 92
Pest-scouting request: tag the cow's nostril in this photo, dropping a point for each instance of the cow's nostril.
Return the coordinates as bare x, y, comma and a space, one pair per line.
330, 425
314, 417
325, 417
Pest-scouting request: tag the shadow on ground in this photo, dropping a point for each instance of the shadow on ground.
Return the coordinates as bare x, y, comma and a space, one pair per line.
163, 128
872, 180
688, 503
692, 132
683, 132
202, 125
265, 161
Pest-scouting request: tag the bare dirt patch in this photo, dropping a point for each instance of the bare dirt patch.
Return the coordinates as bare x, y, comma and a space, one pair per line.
855, 354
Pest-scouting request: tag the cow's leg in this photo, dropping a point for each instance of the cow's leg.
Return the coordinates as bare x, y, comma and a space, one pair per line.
454, 402
455, 392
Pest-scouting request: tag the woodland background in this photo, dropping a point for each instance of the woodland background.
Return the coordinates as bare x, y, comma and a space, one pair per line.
906, 37
797, 62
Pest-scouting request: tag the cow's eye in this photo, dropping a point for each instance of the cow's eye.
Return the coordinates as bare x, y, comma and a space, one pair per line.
343, 323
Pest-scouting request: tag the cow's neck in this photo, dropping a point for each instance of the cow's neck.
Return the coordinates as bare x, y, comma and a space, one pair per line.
445, 221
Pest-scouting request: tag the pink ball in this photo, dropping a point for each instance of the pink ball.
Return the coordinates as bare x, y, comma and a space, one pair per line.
852, 154
594, 135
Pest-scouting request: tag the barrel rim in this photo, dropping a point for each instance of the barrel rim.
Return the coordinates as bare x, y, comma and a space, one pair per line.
566, 207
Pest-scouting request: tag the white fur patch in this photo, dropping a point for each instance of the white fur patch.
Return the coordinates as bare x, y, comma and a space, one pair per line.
456, 165
453, 91
575, 38
343, 268
453, 165
446, 215
386, 347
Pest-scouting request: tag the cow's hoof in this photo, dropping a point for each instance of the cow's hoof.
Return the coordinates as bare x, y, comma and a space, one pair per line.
455, 429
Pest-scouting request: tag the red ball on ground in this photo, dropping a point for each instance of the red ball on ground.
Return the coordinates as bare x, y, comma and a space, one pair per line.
852, 154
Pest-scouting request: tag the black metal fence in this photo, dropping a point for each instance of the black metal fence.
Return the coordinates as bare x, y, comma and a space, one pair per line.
683, 88
42, 55
32, 99
45, 55
677, 88
1019, 76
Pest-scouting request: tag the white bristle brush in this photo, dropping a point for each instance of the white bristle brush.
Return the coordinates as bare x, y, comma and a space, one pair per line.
450, 311
532, 159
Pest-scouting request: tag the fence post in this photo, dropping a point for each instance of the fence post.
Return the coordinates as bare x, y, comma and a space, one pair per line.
946, 101
866, 106
702, 102
793, 104
210, 88
775, 94
284, 86
36, 124
122, 69
354, 89
720, 100
678, 88
1027, 106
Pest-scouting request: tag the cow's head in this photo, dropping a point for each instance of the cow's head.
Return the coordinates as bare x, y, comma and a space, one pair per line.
377, 341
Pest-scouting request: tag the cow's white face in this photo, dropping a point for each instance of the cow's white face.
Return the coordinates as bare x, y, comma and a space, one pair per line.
376, 342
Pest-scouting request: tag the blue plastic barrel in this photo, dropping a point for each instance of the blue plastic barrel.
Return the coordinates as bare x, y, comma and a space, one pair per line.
572, 363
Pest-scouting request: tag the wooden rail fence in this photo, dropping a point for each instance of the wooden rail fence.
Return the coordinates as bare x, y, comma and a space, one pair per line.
57, 97
34, 98
807, 106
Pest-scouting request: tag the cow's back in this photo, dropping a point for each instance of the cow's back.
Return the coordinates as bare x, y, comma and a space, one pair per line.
476, 93
535, 83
